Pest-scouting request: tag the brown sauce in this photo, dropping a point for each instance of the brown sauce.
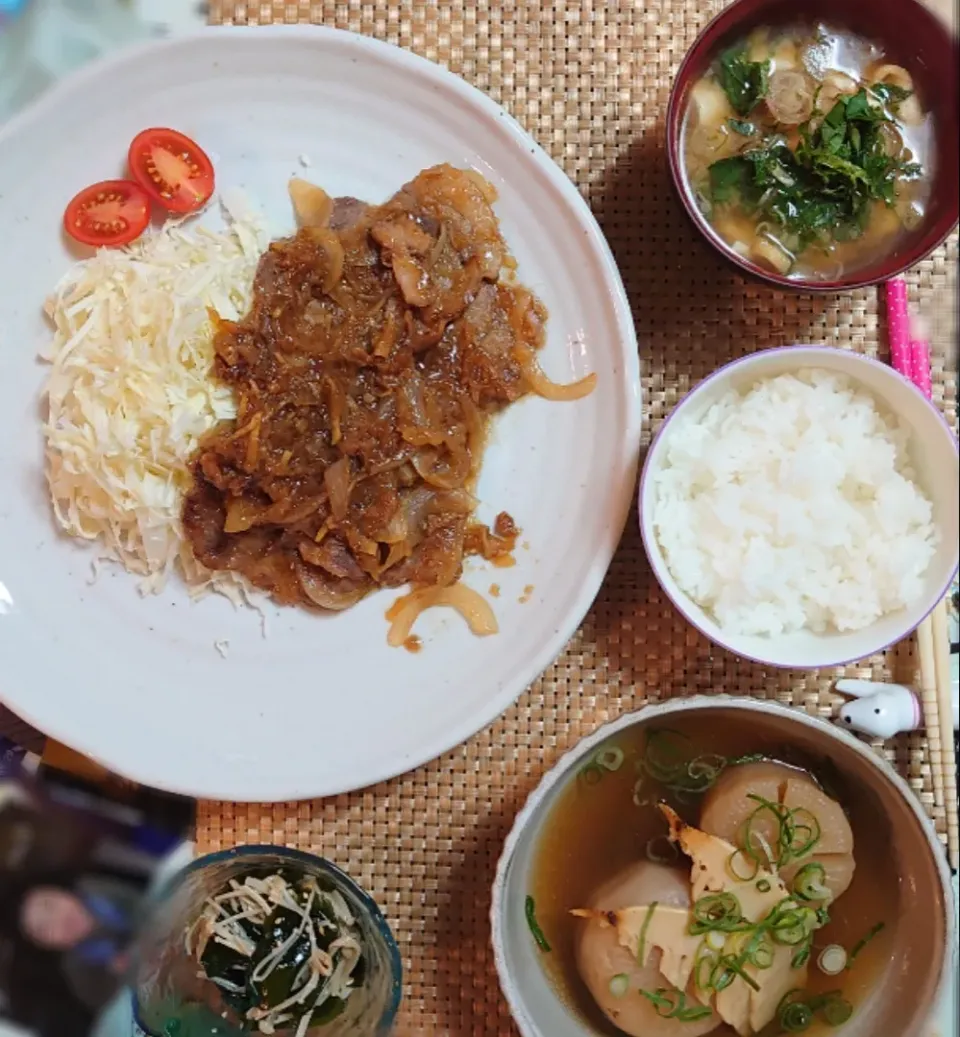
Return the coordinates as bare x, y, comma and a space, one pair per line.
379, 344
596, 830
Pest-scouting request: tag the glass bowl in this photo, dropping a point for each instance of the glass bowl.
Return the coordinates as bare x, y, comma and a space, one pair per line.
172, 997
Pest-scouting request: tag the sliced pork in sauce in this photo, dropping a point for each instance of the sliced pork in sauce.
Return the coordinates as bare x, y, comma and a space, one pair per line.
380, 342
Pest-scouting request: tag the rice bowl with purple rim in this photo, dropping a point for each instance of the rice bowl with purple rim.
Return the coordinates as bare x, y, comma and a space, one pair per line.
794, 506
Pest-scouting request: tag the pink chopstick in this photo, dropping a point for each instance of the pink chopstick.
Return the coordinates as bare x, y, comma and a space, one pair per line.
911, 357
920, 366
898, 327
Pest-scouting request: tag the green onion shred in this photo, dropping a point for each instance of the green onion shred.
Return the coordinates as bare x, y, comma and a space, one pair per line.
672, 1004
530, 910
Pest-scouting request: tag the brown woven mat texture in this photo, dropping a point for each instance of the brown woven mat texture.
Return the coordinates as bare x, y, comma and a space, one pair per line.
589, 79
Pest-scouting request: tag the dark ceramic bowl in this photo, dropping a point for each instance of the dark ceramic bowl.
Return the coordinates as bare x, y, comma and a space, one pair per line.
911, 36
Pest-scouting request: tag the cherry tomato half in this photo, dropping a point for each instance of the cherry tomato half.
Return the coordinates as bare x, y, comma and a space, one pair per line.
113, 212
172, 169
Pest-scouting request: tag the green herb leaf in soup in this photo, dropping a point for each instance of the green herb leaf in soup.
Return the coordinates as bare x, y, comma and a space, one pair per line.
743, 81
890, 95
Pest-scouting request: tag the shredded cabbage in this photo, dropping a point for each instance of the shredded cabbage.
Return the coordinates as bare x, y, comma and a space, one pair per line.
129, 392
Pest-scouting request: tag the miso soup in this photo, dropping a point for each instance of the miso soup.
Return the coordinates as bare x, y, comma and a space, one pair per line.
808, 151
779, 900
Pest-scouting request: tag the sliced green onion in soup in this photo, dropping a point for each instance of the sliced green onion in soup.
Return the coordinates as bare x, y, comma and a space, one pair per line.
672, 1004
717, 911
810, 882
619, 984
801, 833
832, 960
836, 1010
638, 800
610, 759
642, 945
664, 756
861, 943
716, 940
792, 927
798, 832
704, 967
802, 956
794, 1015
761, 956
743, 867
530, 912
704, 770
728, 969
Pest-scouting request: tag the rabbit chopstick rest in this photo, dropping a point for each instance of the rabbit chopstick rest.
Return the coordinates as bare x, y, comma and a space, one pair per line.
884, 710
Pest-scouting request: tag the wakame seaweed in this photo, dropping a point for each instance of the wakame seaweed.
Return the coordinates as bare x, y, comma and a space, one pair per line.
278, 986
226, 965
281, 949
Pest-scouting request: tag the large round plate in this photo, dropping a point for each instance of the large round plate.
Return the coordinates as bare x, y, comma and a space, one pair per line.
321, 705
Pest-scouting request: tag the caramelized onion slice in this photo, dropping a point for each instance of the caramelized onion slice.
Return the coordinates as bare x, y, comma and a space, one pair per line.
328, 593
544, 386
474, 608
338, 484
311, 204
241, 514
333, 250
447, 470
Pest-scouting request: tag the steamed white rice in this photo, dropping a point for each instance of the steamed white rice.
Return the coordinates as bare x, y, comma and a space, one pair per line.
792, 505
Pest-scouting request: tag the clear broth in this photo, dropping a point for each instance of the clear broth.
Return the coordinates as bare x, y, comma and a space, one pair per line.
596, 830
818, 51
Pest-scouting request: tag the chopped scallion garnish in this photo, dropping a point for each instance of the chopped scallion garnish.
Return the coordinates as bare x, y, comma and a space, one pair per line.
861, 943
797, 833
837, 1010
795, 1014
611, 758
672, 1004
605, 760
667, 759
717, 911
742, 867
530, 910
619, 984
642, 946
832, 960
716, 940
810, 882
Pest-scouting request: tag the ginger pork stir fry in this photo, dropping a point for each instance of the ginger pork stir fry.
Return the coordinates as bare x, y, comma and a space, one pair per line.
285, 954
380, 342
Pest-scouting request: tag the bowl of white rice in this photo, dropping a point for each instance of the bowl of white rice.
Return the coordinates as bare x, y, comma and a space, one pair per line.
800, 506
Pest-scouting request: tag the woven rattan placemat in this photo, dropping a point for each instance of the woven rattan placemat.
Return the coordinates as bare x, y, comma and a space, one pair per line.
590, 81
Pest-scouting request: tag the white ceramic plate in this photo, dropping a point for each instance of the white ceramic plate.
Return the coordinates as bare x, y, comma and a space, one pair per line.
321, 705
